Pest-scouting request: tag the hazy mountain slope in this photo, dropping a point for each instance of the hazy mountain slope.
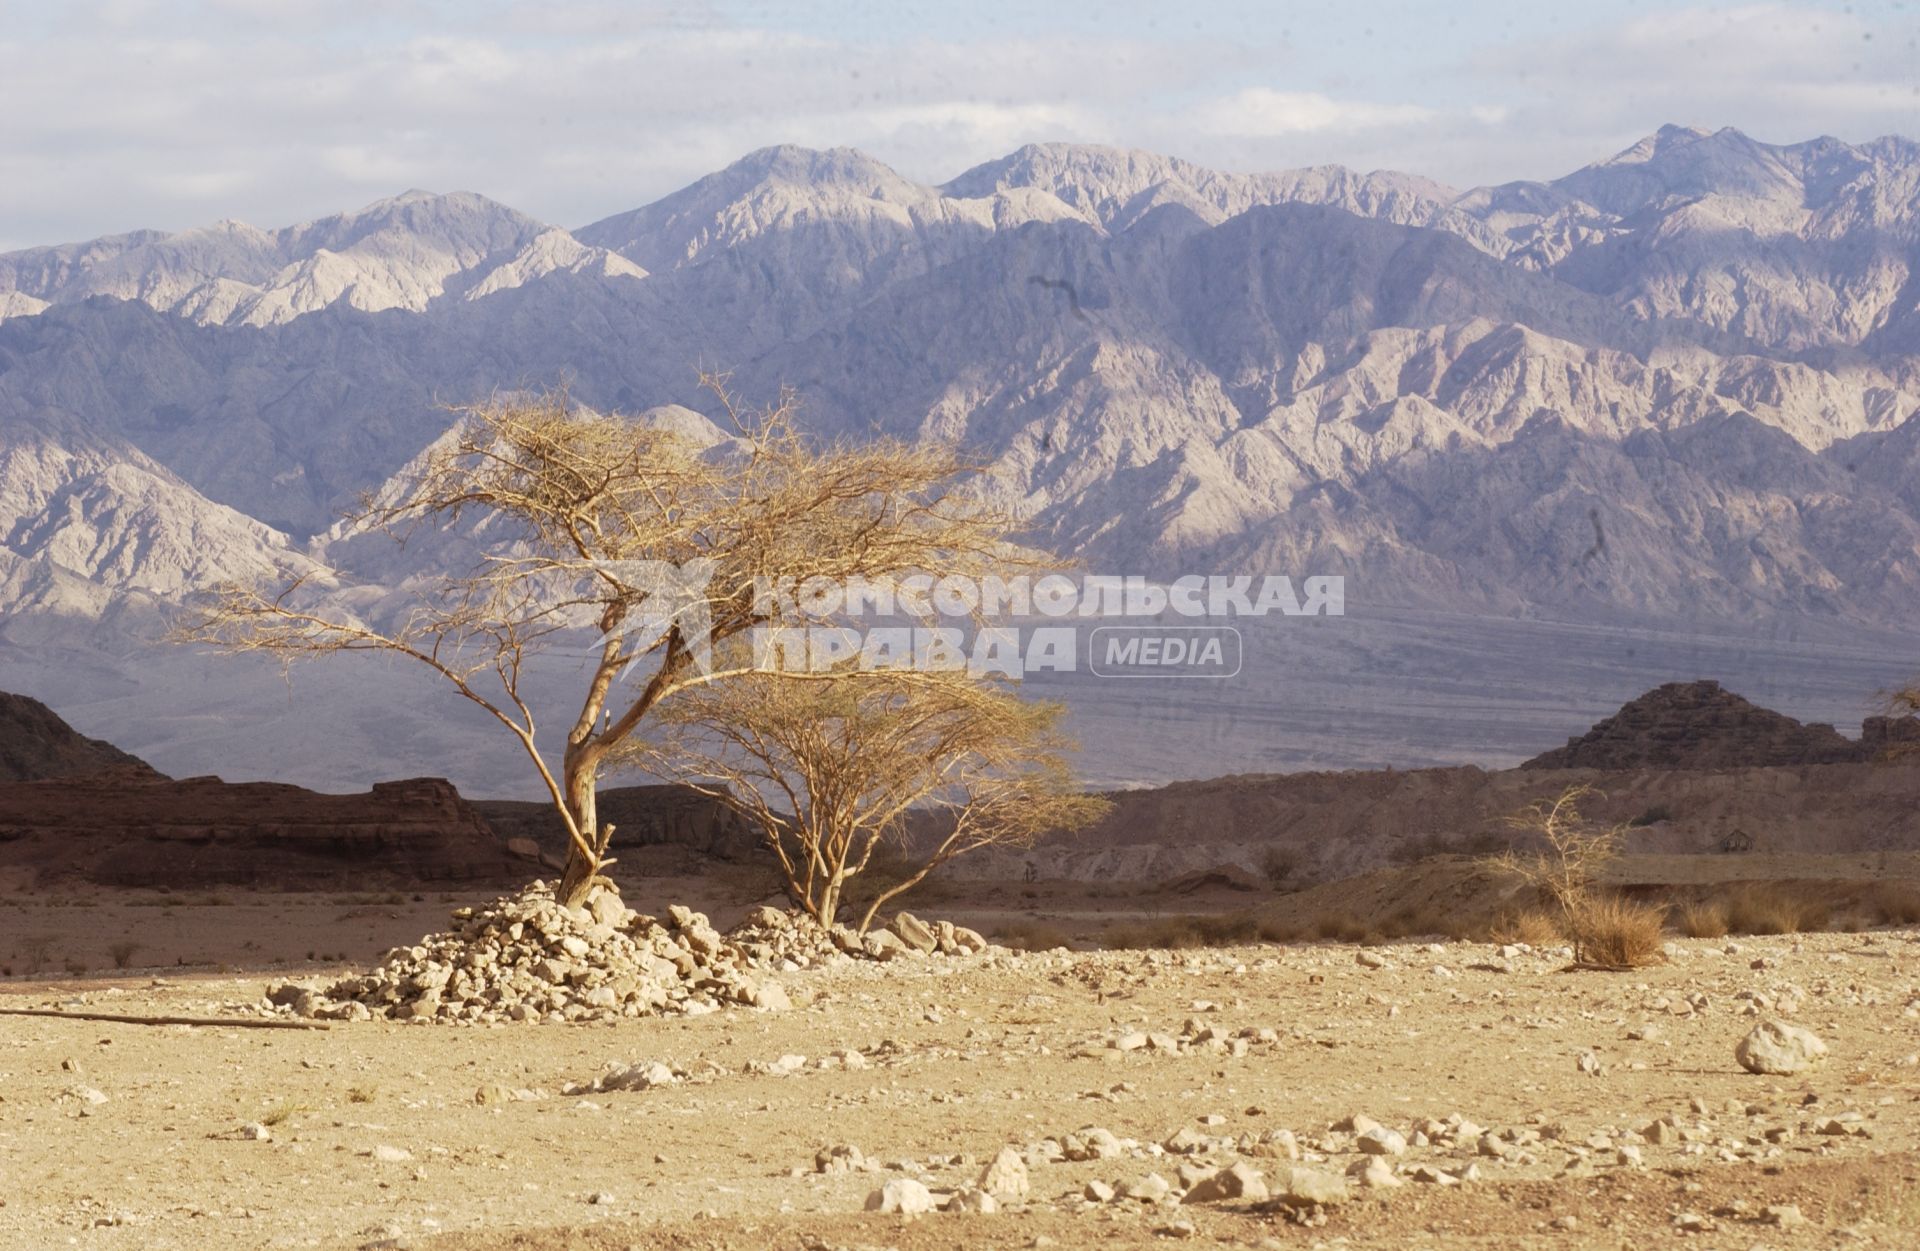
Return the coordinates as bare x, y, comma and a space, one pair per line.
405, 252
84, 523
1164, 364
35, 743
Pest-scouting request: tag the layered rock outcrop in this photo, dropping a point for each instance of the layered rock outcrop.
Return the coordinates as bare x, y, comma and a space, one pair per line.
1700, 725
147, 830
35, 743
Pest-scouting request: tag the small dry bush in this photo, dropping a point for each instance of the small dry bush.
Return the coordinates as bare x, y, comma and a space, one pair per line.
1896, 903
1532, 928
1175, 933
1032, 936
1281, 931
1703, 918
1769, 909
1611, 931
1339, 927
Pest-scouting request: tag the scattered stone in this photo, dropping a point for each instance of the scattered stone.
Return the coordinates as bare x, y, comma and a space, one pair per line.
524, 957
1785, 1215
391, 1155
1776, 1048
1304, 1187
1005, 1176
1186, 1141
1149, 1189
1097, 1191
1237, 1181
902, 1195
1374, 1171
973, 1199
843, 1158
1381, 1141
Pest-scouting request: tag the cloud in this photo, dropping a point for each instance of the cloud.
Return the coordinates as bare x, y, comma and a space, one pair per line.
128, 113
1262, 112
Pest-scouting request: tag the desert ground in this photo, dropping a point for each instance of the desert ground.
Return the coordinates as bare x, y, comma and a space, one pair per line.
1540, 1107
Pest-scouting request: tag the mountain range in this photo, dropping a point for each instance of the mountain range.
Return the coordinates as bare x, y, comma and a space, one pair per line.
1674, 386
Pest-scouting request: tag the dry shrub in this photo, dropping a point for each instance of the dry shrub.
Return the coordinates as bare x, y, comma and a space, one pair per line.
1174, 933
1703, 919
1339, 927
1531, 928
1612, 931
1897, 903
1768, 909
1032, 936
1274, 931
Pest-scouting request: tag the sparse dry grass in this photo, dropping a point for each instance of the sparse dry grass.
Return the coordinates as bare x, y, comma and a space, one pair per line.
1765, 908
1174, 933
1612, 931
1703, 919
1533, 927
1032, 936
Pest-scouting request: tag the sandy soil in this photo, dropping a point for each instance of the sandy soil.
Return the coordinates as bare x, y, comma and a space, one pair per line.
122, 1136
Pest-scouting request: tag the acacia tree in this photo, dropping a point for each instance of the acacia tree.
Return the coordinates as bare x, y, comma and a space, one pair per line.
1607, 930
648, 536
936, 764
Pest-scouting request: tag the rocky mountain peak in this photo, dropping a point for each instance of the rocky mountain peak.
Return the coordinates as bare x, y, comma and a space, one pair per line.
36, 744
1698, 725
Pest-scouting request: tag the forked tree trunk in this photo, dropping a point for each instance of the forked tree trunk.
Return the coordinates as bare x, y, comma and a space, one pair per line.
580, 771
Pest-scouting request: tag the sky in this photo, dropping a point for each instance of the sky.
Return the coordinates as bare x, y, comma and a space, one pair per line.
123, 114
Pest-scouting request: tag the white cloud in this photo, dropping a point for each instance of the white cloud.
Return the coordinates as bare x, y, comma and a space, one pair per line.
1257, 112
123, 113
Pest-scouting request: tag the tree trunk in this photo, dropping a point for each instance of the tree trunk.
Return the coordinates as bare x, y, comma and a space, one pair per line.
580, 770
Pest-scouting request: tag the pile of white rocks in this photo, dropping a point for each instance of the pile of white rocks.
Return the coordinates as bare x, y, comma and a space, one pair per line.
524, 957
791, 940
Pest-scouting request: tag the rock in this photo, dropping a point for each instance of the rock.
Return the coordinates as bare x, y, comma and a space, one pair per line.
885, 945
970, 942
1186, 1141
1239, 1180
1776, 1048
902, 1195
915, 933
1149, 1189
1097, 1191
524, 848
1177, 1229
1005, 1176
391, 1155
1785, 1215
1305, 1187
1091, 1143
1374, 1171
1277, 1144
770, 997
1132, 1040
1369, 959
87, 1095
972, 1199
640, 1076
1381, 1141
843, 1158
254, 1131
